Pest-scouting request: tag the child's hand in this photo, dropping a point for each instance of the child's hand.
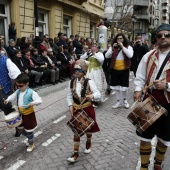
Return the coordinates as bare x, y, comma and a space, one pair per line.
30, 104
5, 101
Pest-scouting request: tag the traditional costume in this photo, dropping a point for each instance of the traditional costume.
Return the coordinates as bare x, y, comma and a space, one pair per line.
95, 71
146, 74
120, 65
78, 89
28, 115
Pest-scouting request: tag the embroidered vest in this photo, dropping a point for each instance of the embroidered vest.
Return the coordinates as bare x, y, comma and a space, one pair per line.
151, 69
26, 100
84, 91
114, 56
5, 80
94, 64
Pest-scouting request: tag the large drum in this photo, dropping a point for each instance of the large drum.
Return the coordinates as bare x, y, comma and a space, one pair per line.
80, 123
146, 113
13, 119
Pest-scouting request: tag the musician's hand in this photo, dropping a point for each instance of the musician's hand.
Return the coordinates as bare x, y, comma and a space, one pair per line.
137, 96
71, 110
159, 85
90, 97
5, 101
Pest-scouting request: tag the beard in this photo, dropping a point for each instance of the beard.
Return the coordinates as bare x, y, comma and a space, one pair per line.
164, 45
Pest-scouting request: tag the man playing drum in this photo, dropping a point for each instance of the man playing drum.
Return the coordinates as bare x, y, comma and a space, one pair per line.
148, 73
74, 100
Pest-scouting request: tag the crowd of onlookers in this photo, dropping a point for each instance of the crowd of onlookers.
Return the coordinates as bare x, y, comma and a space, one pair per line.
51, 62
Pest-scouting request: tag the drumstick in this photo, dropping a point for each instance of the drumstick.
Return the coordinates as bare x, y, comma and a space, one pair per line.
141, 91
150, 85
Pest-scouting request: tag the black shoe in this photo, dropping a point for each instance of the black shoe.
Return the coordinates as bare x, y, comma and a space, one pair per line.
60, 81
53, 83
17, 134
108, 91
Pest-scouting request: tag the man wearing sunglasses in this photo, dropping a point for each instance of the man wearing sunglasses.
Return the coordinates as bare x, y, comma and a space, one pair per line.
155, 68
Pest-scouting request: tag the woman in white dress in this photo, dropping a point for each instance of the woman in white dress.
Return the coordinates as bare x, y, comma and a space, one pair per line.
95, 71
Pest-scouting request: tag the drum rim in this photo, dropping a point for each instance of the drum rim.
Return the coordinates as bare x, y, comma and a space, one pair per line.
150, 97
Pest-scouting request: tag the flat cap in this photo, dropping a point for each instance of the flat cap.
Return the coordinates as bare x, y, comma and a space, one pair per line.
163, 27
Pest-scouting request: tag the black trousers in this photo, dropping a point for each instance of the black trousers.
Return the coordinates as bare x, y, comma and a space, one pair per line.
6, 108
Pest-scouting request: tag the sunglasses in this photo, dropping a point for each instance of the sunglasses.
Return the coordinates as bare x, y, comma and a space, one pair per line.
78, 70
20, 85
166, 35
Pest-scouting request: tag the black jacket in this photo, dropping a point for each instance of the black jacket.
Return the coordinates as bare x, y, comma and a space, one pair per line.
20, 63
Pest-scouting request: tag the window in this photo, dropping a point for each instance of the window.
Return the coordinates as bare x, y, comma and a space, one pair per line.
4, 18
67, 25
42, 22
91, 30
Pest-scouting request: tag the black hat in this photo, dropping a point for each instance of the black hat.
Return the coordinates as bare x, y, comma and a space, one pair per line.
163, 27
65, 47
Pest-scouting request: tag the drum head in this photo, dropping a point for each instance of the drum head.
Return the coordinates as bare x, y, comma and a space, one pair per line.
11, 116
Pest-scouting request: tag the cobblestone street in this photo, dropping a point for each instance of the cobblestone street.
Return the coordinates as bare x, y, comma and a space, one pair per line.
115, 147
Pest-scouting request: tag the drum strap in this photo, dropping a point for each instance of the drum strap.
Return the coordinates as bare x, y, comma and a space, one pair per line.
83, 92
162, 66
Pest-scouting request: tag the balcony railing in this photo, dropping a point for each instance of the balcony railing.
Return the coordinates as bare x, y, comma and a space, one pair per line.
165, 8
165, 1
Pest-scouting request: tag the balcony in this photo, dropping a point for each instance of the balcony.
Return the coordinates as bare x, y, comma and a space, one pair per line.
165, 1
165, 8
141, 2
143, 16
165, 15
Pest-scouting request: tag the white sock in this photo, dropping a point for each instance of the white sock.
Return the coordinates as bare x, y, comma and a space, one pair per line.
124, 95
118, 95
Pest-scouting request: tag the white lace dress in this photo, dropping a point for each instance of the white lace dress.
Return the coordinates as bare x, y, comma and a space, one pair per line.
95, 72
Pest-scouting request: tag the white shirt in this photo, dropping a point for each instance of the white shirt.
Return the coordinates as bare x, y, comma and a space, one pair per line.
141, 78
128, 51
93, 88
12, 69
99, 56
36, 98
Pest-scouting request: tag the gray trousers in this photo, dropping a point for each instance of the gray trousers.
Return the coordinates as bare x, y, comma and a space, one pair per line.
37, 74
54, 75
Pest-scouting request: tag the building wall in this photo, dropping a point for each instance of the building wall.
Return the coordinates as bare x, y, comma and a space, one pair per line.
22, 13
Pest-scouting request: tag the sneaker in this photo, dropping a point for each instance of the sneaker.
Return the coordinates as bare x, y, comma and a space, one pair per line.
30, 148
126, 104
73, 158
88, 148
118, 104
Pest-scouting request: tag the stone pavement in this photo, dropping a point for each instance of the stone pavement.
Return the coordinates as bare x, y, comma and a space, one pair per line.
115, 147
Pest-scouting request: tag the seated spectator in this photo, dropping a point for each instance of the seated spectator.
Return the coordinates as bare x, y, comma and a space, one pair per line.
11, 49
54, 71
24, 43
34, 69
37, 60
65, 61
3, 47
61, 41
45, 45
62, 69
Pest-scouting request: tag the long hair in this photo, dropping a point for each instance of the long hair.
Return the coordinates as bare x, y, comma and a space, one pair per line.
125, 40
